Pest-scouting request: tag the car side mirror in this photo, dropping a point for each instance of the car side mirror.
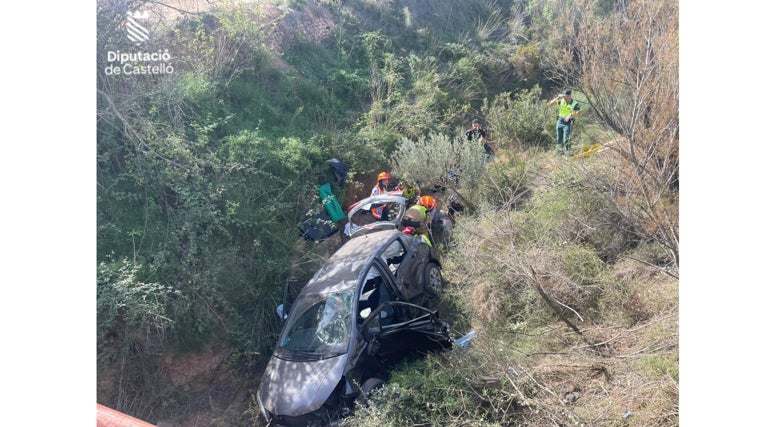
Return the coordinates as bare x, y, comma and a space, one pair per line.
281, 314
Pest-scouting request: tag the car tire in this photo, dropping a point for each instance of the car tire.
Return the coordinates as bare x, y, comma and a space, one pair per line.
433, 280
368, 388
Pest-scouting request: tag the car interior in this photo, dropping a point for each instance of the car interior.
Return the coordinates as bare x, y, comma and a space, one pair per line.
393, 255
374, 292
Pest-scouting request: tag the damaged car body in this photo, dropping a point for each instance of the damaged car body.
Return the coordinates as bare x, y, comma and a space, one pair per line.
360, 313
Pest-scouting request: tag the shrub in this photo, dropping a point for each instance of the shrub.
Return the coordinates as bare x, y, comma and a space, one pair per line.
428, 162
505, 183
545, 243
572, 210
130, 308
527, 61
518, 117
435, 391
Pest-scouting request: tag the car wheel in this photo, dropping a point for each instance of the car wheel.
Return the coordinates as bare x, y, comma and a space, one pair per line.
368, 388
433, 279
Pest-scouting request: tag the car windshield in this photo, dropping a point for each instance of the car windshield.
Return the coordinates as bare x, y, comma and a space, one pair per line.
320, 324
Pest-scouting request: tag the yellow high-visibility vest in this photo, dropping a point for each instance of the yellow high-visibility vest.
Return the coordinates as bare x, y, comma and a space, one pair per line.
565, 109
422, 211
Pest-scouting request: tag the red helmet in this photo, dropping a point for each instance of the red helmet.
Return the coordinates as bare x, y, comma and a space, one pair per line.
428, 202
383, 175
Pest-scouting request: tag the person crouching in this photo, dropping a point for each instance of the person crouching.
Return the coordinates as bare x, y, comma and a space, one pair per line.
417, 218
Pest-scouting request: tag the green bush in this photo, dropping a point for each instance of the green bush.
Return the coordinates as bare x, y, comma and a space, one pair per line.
573, 210
527, 61
438, 390
518, 117
506, 183
129, 308
428, 161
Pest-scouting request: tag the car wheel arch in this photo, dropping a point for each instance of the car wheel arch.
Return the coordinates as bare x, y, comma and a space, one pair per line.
369, 386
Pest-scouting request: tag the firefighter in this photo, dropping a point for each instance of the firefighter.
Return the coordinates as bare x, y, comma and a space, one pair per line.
383, 181
418, 216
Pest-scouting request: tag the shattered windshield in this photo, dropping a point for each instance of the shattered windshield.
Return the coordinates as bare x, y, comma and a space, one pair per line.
319, 324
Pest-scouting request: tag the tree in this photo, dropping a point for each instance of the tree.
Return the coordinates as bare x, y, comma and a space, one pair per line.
204, 212
626, 64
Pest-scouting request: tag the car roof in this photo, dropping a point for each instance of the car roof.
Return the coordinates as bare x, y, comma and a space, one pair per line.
343, 268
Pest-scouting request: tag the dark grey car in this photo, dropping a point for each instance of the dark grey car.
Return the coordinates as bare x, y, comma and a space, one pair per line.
360, 313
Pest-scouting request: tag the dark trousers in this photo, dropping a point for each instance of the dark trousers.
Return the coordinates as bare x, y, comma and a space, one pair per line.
563, 134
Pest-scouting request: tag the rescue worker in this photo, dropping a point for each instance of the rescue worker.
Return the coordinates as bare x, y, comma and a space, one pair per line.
417, 218
568, 110
383, 180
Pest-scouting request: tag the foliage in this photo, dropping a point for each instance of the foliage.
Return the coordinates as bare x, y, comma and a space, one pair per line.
659, 366
129, 307
220, 45
627, 66
530, 281
439, 160
526, 60
506, 183
435, 391
518, 118
566, 207
197, 201
502, 270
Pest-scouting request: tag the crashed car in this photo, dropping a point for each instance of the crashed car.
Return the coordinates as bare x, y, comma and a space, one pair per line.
360, 313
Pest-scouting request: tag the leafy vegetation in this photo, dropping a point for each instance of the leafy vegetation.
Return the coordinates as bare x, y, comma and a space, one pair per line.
566, 266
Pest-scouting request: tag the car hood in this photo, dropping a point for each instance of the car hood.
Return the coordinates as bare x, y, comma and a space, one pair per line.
295, 388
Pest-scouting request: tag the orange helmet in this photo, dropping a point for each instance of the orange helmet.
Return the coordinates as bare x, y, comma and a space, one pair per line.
428, 202
383, 175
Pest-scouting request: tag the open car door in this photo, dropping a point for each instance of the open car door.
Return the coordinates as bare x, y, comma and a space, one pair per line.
361, 221
409, 328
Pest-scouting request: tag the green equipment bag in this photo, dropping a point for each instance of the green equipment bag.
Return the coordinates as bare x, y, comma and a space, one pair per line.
331, 203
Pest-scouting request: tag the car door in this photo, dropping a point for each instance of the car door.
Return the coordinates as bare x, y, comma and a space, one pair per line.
410, 273
413, 329
377, 289
403, 258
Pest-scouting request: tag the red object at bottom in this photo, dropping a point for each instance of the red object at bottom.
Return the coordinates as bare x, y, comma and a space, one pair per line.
108, 417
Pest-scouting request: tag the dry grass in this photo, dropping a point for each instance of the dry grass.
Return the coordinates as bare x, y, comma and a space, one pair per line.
620, 368
628, 376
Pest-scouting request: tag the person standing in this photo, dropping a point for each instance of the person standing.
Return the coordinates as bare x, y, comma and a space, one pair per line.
383, 180
568, 110
479, 133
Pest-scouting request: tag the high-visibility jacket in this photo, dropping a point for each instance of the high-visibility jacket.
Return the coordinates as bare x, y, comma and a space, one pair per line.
565, 109
416, 217
377, 211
